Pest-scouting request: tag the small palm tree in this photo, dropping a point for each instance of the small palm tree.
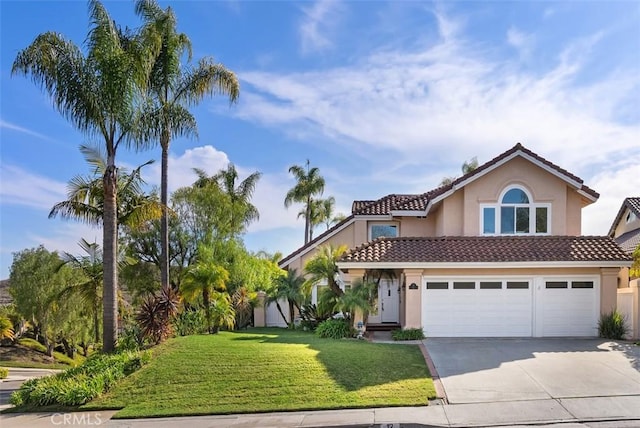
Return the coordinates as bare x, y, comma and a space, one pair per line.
309, 183
6, 329
290, 288
361, 296
243, 212
323, 266
205, 278
222, 312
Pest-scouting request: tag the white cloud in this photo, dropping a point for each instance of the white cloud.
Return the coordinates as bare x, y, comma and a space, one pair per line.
447, 102
521, 41
21, 187
64, 237
206, 158
318, 22
617, 182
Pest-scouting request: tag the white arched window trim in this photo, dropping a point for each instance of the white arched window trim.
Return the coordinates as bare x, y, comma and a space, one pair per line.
530, 218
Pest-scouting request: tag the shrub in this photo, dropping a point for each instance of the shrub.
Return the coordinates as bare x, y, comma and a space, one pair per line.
408, 334
81, 384
156, 314
130, 339
190, 322
4, 373
613, 325
334, 329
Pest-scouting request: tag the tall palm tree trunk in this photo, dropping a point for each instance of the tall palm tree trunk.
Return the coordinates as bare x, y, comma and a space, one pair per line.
307, 221
164, 221
110, 269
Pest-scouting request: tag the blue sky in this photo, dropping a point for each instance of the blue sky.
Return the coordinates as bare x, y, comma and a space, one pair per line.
384, 97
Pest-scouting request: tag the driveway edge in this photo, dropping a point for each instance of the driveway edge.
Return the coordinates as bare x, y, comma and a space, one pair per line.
435, 377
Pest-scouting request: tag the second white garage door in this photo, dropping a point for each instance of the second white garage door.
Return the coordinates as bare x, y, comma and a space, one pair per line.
513, 307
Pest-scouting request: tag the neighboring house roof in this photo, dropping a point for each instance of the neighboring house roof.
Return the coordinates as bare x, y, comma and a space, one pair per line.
487, 249
390, 203
629, 241
634, 206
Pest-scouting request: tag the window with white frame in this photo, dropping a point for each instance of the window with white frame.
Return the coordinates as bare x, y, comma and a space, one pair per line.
515, 214
383, 230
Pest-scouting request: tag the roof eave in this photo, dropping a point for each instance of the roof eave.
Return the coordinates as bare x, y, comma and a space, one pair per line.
482, 265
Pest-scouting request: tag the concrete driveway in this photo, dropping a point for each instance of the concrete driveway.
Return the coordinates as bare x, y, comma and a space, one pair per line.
488, 370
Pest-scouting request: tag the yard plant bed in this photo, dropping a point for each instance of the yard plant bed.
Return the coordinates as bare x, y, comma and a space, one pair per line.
266, 370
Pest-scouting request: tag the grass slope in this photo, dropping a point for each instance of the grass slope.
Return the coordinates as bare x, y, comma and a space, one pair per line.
270, 370
32, 354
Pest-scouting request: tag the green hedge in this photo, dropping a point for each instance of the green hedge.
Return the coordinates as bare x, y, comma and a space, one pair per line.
81, 384
4, 373
334, 329
408, 334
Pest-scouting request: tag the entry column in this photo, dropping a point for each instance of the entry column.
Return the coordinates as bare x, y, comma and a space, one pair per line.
413, 300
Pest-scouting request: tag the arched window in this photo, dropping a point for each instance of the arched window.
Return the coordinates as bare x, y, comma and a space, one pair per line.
515, 214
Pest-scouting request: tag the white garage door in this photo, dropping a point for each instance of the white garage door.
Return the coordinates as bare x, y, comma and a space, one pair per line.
513, 307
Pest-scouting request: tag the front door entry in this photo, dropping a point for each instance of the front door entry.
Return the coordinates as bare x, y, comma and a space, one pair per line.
389, 301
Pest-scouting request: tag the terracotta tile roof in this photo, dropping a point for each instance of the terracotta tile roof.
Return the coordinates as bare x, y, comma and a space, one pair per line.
389, 203
634, 206
629, 241
382, 206
488, 249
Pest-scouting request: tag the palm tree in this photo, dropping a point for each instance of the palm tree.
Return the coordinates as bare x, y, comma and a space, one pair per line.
205, 278
289, 287
243, 212
316, 215
172, 89
467, 167
361, 296
99, 94
323, 266
89, 290
309, 183
86, 195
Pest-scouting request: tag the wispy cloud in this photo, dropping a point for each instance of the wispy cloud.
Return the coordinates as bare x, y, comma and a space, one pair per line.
13, 127
21, 187
318, 22
448, 101
521, 41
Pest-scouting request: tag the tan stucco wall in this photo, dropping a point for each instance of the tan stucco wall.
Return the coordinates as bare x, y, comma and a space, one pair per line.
413, 300
573, 213
608, 290
543, 187
623, 278
344, 237
416, 226
623, 226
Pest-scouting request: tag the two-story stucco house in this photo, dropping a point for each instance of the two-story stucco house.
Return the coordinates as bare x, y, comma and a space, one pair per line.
625, 230
497, 252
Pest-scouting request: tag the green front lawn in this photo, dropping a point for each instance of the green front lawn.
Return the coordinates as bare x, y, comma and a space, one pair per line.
266, 370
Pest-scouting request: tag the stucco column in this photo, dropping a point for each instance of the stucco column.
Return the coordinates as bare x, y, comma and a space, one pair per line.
260, 311
608, 289
413, 299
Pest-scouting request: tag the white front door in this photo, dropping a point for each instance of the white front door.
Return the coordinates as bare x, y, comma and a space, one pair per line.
389, 295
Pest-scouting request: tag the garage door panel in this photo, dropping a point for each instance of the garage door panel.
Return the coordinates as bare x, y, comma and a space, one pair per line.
567, 311
477, 312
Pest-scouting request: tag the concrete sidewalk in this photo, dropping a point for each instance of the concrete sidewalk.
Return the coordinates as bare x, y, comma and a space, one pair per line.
623, 409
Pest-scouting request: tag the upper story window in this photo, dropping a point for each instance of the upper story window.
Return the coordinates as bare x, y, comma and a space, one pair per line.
631, 216
383, 230
515, 214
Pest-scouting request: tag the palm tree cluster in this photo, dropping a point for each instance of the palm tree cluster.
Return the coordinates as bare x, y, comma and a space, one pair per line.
307, 191
128, 88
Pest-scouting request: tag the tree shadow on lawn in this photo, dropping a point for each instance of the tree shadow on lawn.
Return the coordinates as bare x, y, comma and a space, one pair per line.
354, 364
